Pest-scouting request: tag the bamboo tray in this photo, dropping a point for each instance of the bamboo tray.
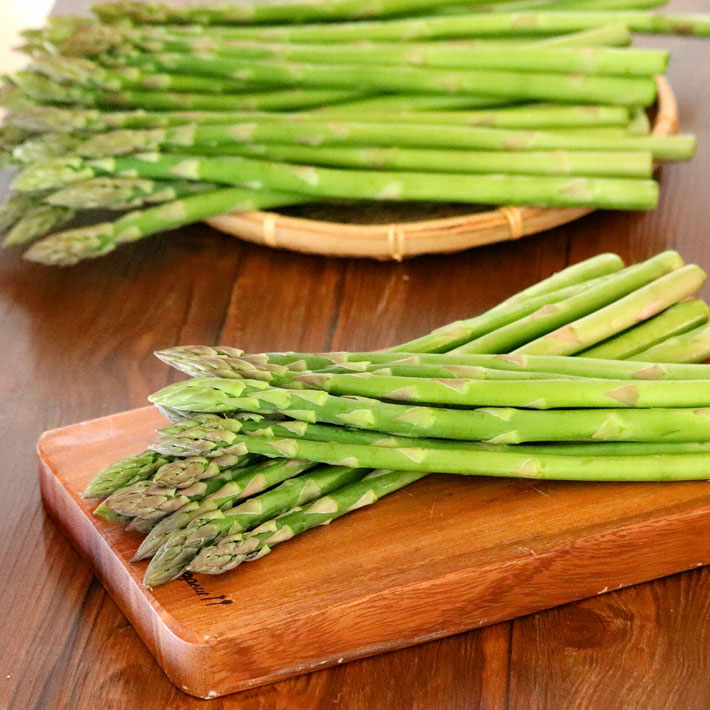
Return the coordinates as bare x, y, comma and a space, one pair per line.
398, 231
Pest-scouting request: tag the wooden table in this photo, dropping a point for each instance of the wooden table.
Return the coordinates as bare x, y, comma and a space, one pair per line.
77, 343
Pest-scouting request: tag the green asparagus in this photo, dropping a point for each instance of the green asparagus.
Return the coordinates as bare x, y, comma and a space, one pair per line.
70, 247
693, 346
175, 548
334, 183
616, 317
495, 425
675, 320
556, 315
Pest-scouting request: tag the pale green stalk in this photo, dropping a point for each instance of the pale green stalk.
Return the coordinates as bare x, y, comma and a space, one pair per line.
548, 318
634, 308
675, 320
576, 367
496, 425
693, 346
347, 184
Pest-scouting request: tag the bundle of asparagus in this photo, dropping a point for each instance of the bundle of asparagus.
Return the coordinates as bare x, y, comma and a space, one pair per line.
185, 113
588, 375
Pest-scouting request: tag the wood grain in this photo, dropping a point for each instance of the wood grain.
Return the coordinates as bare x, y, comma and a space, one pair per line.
77, 343
445, 555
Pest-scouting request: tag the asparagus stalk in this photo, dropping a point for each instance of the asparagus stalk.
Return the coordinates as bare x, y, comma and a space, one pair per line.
693, 346
176, 548
464, 461
675, 320
235, 549
259, 13
586, 5
529, 24
70, 247
37, 222
124, 472
495, 425
348, 184
326, 433
42, 119
616, 317
40, 88
234, 368
88, 73
290, 130
538, 394
123, 193
544, 54
556, 315
590, 164
605, 35
557, 60
149, 501
576, 367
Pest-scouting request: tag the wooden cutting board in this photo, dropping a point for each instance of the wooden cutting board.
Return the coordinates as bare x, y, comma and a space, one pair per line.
447, 554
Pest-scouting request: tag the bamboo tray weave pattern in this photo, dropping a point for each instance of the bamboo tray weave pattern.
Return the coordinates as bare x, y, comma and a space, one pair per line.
403, 230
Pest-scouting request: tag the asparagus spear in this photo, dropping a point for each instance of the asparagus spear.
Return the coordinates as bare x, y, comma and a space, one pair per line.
693, 346
577, 367
231, 551
510, 463
290, 130
350, 184
537, 394
122, 193
589, 164
326, 433
675, 320
605, 35
41, 119
259, 13
37, 222
181, 546
563, 60
88, 73
205, 366
482, 53
124, 472
495, 425
70, 247
616, 317
150, 501
547, 318
40, 88
529, 24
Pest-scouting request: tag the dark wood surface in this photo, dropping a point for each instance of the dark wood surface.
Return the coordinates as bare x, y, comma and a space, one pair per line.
76, 344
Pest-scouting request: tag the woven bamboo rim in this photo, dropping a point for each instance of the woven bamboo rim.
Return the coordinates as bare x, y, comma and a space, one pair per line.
399, 240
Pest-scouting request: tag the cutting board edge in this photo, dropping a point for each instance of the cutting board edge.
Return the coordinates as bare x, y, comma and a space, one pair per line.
176, 647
